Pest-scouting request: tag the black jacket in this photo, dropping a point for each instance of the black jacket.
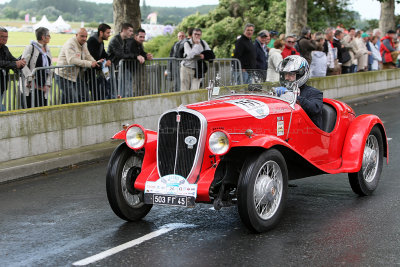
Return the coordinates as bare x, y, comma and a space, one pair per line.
201, 65
7, 61
245, 52
119, 49
311, 100
96, 49
342, 52
306, 46
326, 48
137, 49
261, 58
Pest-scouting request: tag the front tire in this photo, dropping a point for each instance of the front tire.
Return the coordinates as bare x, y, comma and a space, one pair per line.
262, 190
365, 181
123, 168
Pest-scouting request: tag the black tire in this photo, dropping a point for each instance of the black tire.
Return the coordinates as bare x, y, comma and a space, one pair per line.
365, 181
253, 184
123, 168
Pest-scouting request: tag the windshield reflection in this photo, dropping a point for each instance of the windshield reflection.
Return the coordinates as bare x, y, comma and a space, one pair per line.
265, 90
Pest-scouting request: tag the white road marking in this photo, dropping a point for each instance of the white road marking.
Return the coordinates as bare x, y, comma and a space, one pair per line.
389, 139
164, 229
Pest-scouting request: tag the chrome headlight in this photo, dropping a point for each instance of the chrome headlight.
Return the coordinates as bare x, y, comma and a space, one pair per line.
135, 137
219, 143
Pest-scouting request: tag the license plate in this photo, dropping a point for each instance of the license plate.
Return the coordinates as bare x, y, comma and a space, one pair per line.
170, 200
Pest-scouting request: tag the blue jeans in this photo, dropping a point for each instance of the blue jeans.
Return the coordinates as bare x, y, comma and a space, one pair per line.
246, 77
244, 74
2, 107
125, 83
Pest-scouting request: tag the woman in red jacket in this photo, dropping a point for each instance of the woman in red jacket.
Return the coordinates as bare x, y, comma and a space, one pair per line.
387, 47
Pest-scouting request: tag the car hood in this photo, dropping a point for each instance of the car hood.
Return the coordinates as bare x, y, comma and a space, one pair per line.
241, 106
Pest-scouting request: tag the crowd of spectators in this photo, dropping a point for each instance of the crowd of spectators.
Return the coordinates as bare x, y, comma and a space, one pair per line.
332, 52
90, 61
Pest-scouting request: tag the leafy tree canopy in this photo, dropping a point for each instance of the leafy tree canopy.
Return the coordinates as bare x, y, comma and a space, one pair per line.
222, 25
77, 10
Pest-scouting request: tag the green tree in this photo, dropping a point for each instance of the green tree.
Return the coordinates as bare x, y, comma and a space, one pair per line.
10, 12
222, 25
325, 13
51, 13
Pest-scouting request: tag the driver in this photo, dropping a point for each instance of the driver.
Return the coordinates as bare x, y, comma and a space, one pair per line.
295, 69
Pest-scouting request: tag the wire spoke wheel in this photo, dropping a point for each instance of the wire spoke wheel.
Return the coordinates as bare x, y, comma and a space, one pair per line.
123, 169
365, 181
370, 158
130, 171
262, 190
268, 190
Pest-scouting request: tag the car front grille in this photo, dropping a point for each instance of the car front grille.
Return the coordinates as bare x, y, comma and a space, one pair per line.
174, 155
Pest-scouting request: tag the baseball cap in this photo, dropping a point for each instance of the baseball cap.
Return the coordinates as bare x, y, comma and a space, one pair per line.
274, 32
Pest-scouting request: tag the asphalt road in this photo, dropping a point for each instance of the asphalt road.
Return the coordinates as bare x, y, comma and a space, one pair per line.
63, 218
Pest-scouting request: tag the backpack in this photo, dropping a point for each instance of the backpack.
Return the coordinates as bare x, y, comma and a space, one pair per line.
297, 46
179, 49
179, 52
29, 63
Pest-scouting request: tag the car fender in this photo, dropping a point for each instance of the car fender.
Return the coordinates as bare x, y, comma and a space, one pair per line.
150, 135
265, 141
150, 148
120, 135
354, 143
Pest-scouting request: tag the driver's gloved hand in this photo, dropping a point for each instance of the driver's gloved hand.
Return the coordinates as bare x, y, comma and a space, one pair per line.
280, 90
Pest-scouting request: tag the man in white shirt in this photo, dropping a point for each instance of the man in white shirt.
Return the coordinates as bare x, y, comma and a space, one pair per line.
193, 49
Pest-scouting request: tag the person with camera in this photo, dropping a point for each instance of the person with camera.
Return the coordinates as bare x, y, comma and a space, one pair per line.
99, 79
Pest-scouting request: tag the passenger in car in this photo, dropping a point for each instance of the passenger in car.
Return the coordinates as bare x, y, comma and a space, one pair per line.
295, 69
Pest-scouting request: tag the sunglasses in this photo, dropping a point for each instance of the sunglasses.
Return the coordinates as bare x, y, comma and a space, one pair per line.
290, 42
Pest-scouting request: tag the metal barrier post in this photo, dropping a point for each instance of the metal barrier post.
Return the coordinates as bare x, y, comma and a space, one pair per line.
3, 89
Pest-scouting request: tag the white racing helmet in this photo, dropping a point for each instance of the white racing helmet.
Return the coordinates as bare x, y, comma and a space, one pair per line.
294, 64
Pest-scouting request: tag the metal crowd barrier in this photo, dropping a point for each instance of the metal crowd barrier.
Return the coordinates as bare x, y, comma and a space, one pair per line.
69, 84
75, 85
162, 75
55, 85
10, 94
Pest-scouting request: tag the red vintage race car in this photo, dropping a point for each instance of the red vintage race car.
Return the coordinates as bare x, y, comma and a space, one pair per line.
241, 148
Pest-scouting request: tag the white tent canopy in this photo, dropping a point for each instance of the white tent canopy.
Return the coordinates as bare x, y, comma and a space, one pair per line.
60, 25
43, 23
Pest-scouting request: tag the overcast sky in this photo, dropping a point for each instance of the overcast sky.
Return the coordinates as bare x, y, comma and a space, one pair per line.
369, 9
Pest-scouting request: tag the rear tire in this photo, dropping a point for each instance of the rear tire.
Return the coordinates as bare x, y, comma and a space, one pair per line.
365, 181
123, 168
262, 190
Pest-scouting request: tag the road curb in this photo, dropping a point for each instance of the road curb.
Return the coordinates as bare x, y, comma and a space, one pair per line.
41, 164
369, 96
